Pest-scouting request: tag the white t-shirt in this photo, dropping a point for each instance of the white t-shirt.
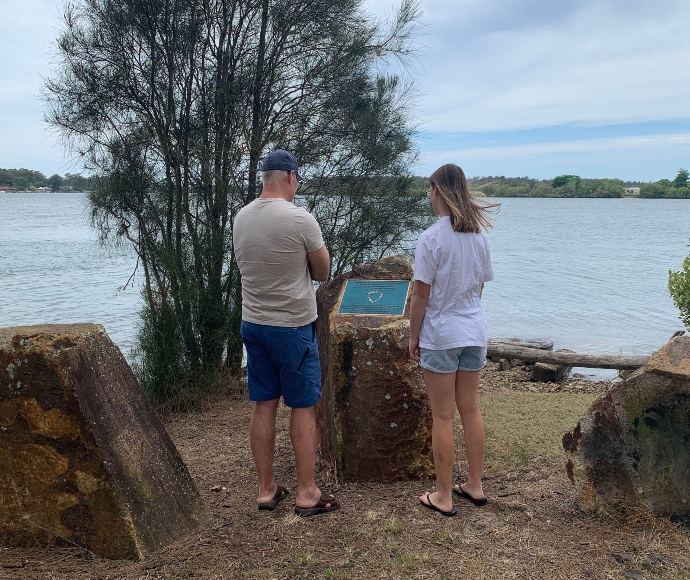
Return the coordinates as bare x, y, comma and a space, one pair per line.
455, 265
271, 238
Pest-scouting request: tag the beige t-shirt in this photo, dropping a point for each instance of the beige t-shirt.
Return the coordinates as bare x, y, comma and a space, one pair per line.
271, 238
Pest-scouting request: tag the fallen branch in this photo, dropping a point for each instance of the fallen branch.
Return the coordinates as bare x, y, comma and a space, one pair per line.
566, 358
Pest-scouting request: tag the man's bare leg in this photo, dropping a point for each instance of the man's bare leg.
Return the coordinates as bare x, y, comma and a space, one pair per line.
262, 439
303, 437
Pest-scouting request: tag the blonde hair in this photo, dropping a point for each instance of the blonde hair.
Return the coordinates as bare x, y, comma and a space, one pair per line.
467, 214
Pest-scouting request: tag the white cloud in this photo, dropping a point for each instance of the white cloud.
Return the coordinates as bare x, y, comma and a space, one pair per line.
618, 144
489, 65
602, 63
644, 158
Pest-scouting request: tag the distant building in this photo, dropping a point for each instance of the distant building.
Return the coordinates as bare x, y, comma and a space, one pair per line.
43, 189
633, 191
4, 188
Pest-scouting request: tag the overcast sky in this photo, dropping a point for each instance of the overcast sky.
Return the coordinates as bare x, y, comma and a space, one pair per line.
598, 88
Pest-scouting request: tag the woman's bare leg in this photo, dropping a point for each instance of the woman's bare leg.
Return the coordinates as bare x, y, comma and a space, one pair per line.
441, 391
466, 398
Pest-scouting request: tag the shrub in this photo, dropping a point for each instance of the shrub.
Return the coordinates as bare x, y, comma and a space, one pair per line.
679, 288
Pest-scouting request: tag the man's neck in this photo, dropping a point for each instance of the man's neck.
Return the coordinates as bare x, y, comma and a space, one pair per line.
276, 193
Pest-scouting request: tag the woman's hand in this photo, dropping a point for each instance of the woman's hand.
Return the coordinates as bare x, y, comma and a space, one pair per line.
418, 304
414, 349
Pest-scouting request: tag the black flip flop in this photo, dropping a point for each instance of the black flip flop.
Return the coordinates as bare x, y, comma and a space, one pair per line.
327, 503
432, 507
280, 494
463, 494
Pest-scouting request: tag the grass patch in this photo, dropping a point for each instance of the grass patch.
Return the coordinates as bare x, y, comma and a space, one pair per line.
523, 425
302, 559
403, 560
395, 526
333, 574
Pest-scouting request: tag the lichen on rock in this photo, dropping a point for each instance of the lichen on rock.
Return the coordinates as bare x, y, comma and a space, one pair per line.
632, 446
374, 417
83, 455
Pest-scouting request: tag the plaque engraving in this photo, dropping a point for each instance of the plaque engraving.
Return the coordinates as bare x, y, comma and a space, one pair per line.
385, 297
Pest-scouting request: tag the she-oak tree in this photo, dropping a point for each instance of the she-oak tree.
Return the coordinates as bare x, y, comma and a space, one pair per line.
171, 104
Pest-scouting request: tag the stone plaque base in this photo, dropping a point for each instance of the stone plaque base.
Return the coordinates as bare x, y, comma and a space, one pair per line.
374, 418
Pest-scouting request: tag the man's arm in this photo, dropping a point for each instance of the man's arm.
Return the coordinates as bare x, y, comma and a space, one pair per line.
319, 264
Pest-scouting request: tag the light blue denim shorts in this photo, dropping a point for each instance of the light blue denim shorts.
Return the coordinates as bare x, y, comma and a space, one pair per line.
462, 358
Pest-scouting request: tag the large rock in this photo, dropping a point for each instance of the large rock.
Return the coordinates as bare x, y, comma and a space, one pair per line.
82, 454
374, 418
634, 443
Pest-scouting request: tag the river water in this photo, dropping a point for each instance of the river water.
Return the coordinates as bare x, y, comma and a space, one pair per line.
589, 274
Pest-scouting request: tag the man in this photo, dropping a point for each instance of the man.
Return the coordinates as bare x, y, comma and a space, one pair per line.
279, 249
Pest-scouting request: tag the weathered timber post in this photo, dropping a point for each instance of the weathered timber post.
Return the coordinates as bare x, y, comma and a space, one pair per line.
374, 420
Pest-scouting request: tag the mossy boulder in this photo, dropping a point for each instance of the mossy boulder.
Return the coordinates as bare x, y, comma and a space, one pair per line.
634, 443
83, 456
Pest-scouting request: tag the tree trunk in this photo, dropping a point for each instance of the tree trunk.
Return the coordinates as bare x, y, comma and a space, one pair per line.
255, 138
564, 358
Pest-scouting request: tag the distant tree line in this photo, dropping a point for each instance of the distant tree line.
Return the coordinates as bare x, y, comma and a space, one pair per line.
493, 186
561, 186
576, 186
679, 188
25, 179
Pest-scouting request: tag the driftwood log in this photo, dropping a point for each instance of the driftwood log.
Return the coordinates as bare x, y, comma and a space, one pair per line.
539, 343
565, 358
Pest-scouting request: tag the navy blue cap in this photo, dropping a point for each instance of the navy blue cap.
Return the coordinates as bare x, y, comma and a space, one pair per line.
280, 160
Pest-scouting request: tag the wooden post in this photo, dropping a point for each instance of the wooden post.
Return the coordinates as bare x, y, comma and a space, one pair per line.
564, 358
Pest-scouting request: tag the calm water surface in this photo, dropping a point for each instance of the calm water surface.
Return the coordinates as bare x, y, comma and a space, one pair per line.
52, 269
589, 274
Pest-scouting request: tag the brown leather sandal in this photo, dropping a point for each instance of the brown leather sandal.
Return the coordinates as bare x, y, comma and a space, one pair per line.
327, 503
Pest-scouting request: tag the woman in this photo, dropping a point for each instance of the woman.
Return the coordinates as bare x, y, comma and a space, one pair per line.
448, 329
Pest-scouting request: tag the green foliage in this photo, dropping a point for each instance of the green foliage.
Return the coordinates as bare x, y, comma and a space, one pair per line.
574, 186
563, 180
22, 178
27, 178
498, 190
679, 188
541, 189
502, 186
55, 181
567, 186
75, 182
652, 191
681, 179
163, 374
679, 288
604, 188
193, 95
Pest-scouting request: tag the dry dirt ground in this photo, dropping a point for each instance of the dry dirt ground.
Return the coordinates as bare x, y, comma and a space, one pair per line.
531, 528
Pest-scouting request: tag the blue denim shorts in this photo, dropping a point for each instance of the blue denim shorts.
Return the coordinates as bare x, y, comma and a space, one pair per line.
282, 361
462, 358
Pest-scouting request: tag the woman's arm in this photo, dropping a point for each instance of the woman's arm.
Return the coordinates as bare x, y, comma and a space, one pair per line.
418, 304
